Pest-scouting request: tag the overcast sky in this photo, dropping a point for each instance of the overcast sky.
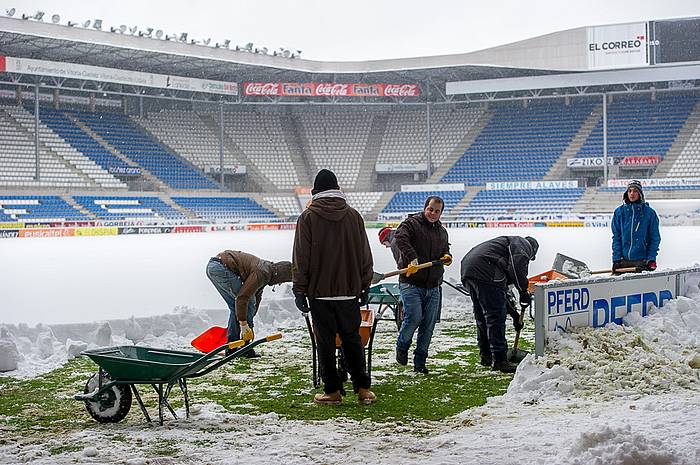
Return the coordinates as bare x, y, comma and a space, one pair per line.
360, 29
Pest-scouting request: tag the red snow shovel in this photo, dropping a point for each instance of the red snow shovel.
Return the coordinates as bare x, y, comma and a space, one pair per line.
214, 337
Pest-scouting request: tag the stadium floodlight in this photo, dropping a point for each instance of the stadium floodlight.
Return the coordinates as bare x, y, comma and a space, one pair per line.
10, 12
159, 34
55, 19
39, 16
72, 23
97, 24
87, 23
183, 37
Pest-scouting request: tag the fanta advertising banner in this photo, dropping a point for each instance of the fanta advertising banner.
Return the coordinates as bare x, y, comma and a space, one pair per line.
329, 89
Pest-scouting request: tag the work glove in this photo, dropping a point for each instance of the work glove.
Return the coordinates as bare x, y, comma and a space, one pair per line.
364, 297
651, 265
525, 299
301, 302
412, 267
247, 334
446, 259
617, 264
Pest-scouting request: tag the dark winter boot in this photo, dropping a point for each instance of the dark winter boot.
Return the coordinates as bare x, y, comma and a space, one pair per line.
401, 357
504, 366
486, 360
421, 369
251, 354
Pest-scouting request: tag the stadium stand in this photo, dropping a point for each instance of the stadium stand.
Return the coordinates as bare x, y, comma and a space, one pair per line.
51, 208
287, 204
519, 143
133, 142
261, 137
64, 137
490, 203
223, 209
184, 132
688, 162
412, 202
337, 141
404, 140
638, 126
363, 202
123, 208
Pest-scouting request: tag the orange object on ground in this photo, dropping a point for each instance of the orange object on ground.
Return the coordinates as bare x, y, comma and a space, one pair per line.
365, 327
214, 337
543, 278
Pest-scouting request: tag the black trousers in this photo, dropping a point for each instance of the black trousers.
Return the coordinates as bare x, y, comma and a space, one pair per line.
490, 315
342, 317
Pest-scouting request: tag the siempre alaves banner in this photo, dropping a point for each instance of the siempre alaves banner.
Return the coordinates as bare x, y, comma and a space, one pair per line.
118, 76
329, 89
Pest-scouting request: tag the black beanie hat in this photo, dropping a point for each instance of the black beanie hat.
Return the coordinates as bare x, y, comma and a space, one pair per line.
325, 181
637, 185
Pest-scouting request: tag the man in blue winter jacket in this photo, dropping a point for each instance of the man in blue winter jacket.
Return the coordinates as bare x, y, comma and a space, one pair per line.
635, 228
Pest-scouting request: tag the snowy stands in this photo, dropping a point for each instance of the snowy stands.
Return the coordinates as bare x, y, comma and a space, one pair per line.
640, 127
688, 162
287, 204
490, 203
50, 208
337, 141
133, 142
184, 132
363, 202
519, 143
226, 209
261, 137
412, 202
404, 139
124, 208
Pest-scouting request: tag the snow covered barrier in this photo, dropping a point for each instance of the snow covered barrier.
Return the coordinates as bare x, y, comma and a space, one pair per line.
597, 301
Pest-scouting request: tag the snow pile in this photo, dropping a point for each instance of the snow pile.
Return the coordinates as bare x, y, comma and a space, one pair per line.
647, 355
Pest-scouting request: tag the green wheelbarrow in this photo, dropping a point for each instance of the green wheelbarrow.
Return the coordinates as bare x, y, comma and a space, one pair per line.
108, 393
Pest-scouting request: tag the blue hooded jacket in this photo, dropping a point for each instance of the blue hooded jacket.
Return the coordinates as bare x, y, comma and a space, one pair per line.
635, 228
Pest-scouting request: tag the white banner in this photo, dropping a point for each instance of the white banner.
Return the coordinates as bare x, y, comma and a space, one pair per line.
617, 46
660, 182
590, 303
401, 167
523, 185
118, 76
588, 163
432, 187
228, 169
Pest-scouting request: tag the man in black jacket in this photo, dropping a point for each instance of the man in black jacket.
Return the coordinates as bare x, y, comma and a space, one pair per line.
487, 271
421, 238
331, 274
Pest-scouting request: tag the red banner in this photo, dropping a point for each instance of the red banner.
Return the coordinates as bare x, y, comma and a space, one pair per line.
647, 160
329, 89
2, 64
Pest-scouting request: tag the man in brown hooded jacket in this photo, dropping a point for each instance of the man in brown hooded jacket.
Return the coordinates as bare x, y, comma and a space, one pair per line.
332, 273
240, 279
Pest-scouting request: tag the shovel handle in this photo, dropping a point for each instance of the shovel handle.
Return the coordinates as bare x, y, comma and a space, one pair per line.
404, 270
631, 269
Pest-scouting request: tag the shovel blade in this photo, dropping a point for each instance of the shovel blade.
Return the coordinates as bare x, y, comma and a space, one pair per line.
516, 355
570, 267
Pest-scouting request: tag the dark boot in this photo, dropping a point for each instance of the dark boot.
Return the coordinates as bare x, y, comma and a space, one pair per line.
486, 360
421, 369
251, 354
401, 357
504, 366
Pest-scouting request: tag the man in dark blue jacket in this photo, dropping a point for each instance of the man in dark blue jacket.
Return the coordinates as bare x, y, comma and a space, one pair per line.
487, 270
635, 228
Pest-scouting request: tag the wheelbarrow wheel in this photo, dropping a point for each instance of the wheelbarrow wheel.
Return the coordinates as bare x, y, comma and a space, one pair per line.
113, 404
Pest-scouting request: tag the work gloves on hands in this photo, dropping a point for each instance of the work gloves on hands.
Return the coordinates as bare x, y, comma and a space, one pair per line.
525, 299
651, 265
364, 297
446, 259
247, 334
617, 264
301, 302
412, 267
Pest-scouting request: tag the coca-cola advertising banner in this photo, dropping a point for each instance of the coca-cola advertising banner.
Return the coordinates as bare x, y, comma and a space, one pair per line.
329, 89
647, 160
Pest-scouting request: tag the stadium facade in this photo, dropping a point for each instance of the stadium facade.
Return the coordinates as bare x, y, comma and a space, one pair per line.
110, 126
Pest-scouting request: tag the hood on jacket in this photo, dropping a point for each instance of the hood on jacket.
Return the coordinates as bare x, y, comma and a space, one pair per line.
281, 273
534, 244
637, 185
330, 205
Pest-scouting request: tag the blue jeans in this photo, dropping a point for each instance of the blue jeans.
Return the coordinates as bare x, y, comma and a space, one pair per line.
229, 284
420, 307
